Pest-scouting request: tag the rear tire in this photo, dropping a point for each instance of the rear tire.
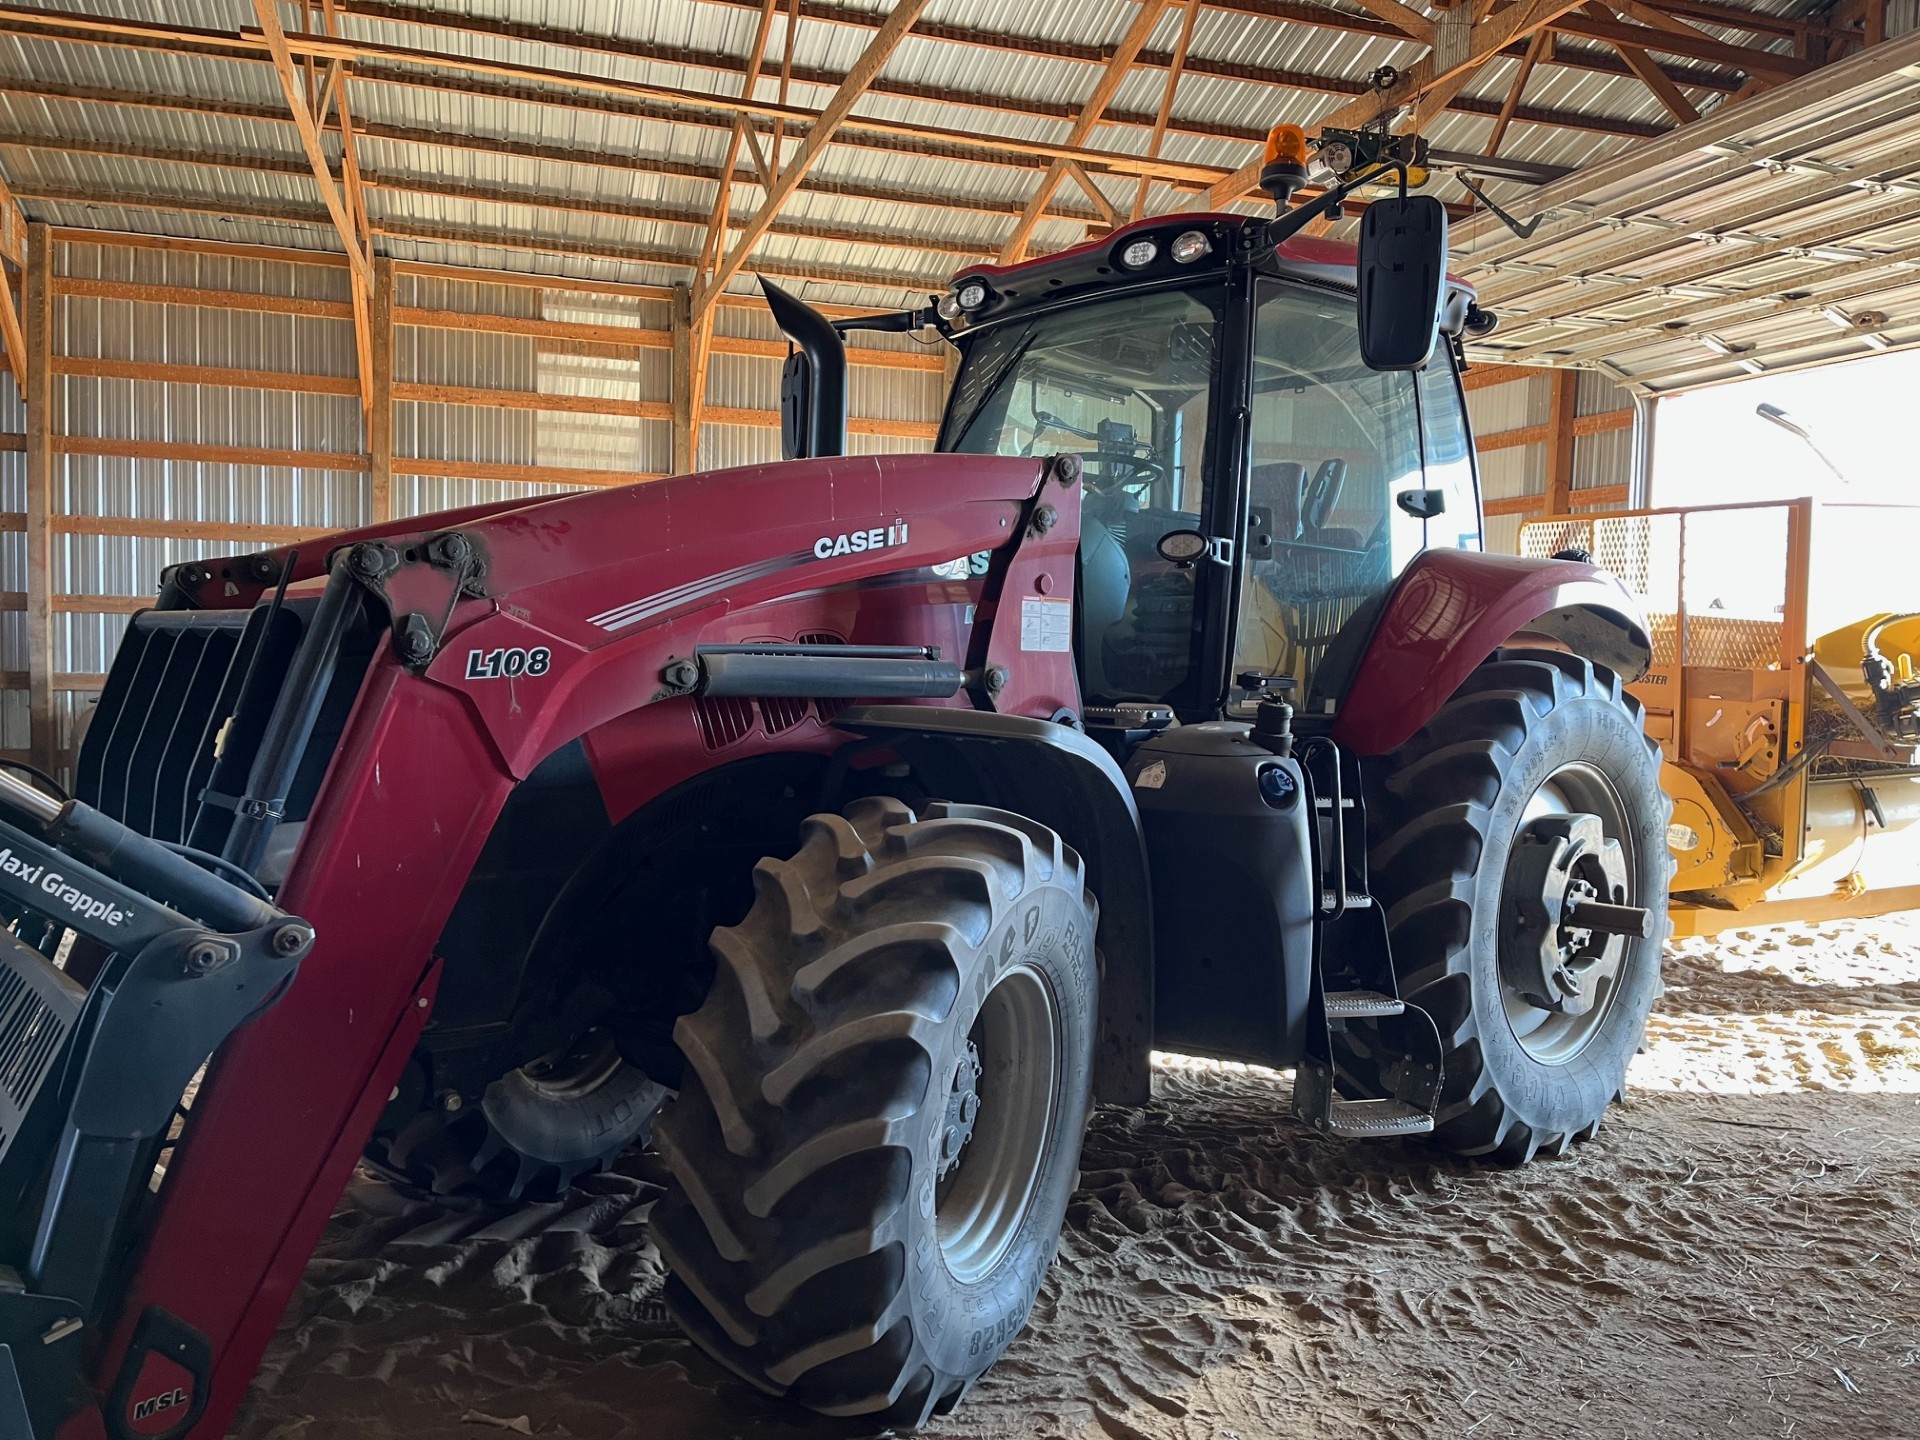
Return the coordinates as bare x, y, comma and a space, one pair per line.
885, 1097
1530, 734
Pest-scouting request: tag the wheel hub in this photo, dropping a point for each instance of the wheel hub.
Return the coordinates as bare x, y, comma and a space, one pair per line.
963, 1109
989, 1151
1566, 912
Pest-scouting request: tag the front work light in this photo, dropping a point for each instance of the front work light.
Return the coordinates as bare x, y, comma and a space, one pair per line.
1190, 245
972, 295
1139, 254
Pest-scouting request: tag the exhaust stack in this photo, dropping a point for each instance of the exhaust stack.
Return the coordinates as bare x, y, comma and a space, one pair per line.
813, 386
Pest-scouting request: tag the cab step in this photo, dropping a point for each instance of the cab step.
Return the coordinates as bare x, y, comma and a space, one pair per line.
1316, 1101
1361, 1004
1373, 1119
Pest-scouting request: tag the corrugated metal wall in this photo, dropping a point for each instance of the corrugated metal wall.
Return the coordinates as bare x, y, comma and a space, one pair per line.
161, 458
13, 575
1512, 425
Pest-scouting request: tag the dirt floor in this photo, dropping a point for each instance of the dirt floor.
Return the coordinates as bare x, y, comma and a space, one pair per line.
1737, 1254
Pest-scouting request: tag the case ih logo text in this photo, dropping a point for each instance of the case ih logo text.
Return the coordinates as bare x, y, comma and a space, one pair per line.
166, 1400
857, 541
55, 884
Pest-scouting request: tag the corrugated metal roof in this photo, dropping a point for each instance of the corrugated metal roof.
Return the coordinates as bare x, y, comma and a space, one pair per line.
482, 170
1783, 234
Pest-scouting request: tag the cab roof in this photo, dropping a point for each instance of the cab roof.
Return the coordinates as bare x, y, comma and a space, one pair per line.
1305, 249
1096, 263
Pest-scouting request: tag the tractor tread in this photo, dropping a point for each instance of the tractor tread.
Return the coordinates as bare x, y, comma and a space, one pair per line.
786, 1231
1436, 805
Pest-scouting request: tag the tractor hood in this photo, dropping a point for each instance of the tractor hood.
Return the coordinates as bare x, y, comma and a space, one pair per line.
589, 565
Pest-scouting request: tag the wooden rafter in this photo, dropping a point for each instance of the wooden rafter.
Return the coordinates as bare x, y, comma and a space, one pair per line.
293, 85
1664, 90
1642, 64
1294, 11
832, 115
786, 84
1404, 18
345, 201
559, 93
412, 184
592, 158
1138, 33
1165, 115
44, 423
13, 249
513, 240
332, 99
402, 61
1662, 32
1488, 38
1286, 11
1078, 173
1460, 22
1509, 107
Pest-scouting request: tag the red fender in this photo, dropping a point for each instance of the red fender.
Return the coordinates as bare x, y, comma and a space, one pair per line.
1453, 608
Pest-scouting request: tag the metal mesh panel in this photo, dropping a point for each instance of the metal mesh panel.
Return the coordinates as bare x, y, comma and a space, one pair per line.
1734, 586
1713, 581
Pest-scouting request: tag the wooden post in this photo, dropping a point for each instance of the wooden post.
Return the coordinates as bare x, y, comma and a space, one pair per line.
380, 412
43, 418
686, 443
1561, 414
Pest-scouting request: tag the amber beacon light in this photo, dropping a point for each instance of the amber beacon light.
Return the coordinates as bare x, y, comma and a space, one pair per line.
1285, 170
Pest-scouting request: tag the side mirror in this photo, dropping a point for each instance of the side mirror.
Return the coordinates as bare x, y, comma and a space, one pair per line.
1182, 547
1402, 272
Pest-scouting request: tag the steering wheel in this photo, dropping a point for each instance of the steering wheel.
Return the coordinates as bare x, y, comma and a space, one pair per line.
1118, 469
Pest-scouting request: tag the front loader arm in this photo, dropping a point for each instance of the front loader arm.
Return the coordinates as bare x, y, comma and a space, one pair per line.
507, 634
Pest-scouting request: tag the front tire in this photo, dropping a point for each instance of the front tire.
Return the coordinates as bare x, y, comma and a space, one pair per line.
1530, 744
886, 1092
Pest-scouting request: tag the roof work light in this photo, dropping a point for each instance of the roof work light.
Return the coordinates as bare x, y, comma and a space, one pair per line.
1285, 170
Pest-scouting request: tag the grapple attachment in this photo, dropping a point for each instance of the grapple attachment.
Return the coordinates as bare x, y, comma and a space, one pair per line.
123, 966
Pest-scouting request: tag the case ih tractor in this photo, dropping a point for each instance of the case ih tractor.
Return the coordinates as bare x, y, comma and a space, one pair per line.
845, 827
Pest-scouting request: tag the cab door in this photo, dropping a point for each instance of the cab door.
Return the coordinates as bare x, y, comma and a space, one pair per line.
1330, 445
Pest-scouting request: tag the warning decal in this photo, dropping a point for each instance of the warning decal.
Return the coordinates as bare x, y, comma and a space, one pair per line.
1046, 625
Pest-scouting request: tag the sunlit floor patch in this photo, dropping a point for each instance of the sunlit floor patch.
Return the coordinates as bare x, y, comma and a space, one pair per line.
1859, 1051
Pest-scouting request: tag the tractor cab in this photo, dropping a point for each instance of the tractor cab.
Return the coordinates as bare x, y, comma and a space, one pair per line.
1269, 425
1252, 484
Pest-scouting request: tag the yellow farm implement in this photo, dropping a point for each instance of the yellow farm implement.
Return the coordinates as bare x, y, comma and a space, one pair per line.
1784, 698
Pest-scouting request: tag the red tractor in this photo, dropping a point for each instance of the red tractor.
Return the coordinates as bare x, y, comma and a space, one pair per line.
859, 820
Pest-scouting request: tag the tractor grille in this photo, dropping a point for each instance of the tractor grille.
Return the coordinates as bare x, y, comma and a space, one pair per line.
727, 720
183, 711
